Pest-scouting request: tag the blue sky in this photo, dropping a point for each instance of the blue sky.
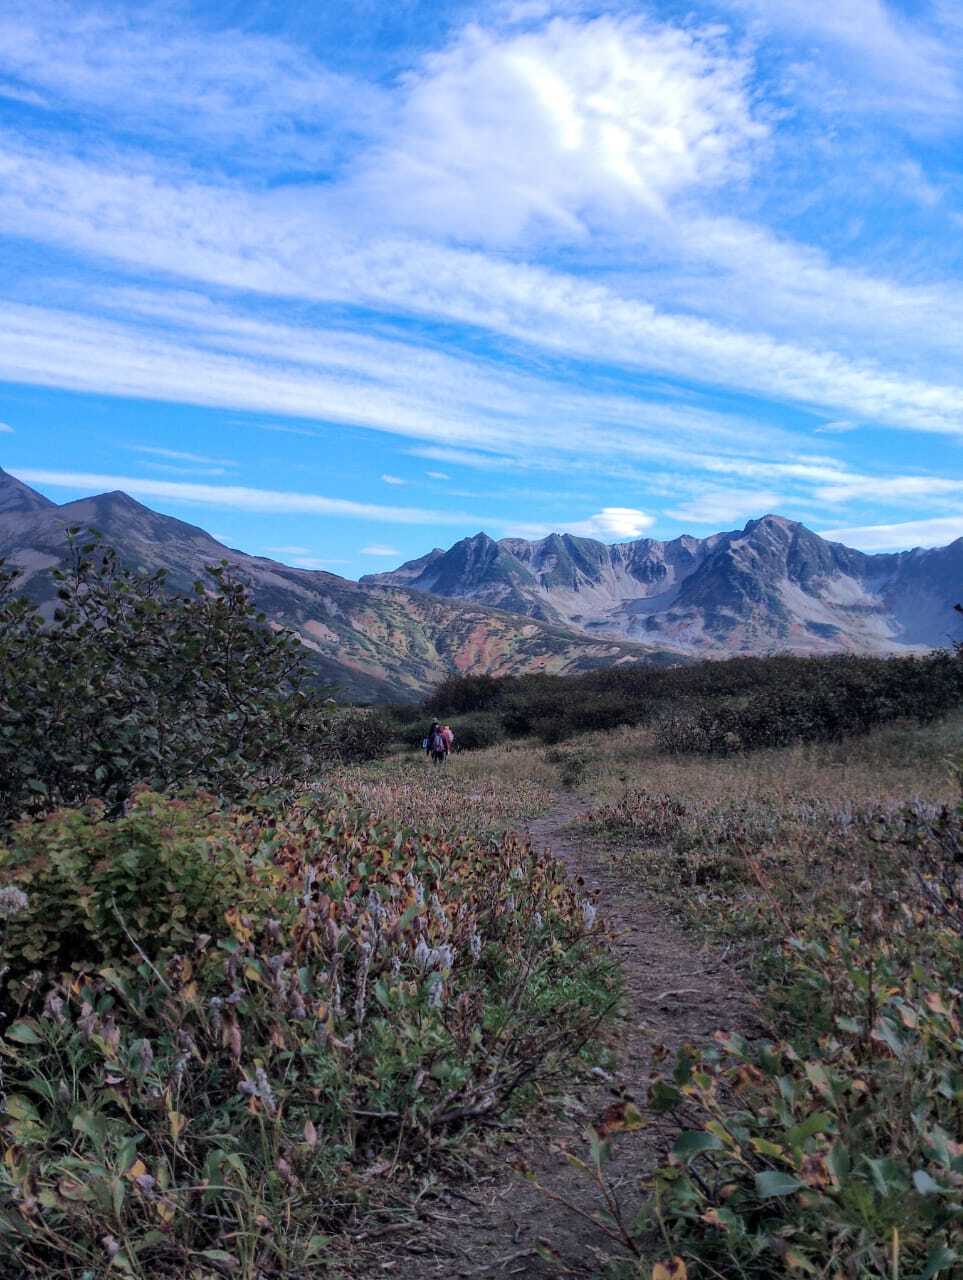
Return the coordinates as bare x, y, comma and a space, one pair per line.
341, 283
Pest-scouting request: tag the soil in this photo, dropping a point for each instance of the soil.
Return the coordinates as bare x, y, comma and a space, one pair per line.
677, 992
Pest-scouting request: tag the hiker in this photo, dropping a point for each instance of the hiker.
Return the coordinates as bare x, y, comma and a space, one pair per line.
448, 735
436, 745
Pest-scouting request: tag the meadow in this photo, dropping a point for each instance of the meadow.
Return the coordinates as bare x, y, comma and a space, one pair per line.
261, 994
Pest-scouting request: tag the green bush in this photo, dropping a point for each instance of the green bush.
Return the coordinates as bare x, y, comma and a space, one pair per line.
266, 1084
164, 872
474, 732
129, 683
835, 1147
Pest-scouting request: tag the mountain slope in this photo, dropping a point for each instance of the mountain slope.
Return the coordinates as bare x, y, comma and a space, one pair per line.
772, 585
377, 643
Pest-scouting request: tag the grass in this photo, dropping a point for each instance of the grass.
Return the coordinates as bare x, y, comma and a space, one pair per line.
834, 874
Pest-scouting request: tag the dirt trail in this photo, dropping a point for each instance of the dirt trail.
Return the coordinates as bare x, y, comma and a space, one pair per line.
676, 993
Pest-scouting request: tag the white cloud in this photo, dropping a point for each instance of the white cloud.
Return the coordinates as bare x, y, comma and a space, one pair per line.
721, 507
239, 497
314, 562
176, 80
378, 550
839, 427
936, 532
889, 488
437, 475
6, 429
179, 455
393, 479
575, 123
612, 523
265, 243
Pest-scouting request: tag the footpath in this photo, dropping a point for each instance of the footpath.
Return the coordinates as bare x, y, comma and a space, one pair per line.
675, 993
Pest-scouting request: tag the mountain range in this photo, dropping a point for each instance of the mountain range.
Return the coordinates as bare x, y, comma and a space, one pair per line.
559, 604
774, 585
375, 643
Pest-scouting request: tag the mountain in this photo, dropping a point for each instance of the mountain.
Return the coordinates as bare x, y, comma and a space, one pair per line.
377, 643
772, 585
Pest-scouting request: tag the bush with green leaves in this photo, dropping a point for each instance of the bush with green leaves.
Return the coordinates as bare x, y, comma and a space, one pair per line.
237, 1098
834, 1148
717, 707
130, 683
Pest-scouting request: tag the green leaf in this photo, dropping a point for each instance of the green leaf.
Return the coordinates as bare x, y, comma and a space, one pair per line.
937, 1260
926, 1185
688, 1145
817, 1123
24, 1033
774, 1183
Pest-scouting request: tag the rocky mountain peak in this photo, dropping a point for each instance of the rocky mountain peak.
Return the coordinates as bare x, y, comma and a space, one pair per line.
17, 496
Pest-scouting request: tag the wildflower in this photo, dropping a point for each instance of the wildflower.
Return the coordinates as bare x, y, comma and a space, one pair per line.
438, 911
145, 1055
510, 904
589, 912
475, 945
53, 1007
537, 920
436, 991
422, 954
264, 1090
216, 1005
12, 901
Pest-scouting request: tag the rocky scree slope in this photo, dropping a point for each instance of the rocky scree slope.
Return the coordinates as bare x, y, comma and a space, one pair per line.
375, 643
774, 585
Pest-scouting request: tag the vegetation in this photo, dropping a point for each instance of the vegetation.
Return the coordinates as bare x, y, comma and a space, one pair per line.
832, 1146
713, 707
240, 1024
128, 683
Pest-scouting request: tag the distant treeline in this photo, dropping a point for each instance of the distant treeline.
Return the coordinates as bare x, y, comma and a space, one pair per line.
716, 707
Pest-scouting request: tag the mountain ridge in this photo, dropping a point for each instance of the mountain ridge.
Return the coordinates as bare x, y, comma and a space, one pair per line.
378, 643
772, 584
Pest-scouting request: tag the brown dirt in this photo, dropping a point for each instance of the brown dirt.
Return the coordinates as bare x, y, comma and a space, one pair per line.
676, 993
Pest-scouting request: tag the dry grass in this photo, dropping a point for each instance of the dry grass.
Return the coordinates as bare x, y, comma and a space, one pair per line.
503, 785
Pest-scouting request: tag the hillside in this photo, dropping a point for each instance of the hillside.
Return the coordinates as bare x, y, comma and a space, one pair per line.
376, 643
774, 585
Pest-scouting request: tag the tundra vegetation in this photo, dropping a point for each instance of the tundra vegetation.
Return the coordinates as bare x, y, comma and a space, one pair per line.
258, 997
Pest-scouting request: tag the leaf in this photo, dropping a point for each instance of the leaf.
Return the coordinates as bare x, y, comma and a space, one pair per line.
926, 1185
774, 1183
688, 1145
817, 1123
937, 1260
23, 1033
673, 1269
620, 1117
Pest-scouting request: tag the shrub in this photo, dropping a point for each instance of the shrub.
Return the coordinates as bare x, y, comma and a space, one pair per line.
129, 683
244, 1096
474, 732
837, 1143
162, 874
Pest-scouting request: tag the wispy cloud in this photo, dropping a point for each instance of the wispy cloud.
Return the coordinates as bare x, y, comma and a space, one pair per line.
898, 537
388, 479
437, 475
6, 429
378, 549
179, 455
240, 497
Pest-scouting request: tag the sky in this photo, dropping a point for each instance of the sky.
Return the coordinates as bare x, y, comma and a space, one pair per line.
343, 283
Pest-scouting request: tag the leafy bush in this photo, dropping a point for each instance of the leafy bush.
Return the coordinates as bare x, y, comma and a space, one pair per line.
241, 1099
718, 707
129, 683
838, 1143
156, 875
481, 729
